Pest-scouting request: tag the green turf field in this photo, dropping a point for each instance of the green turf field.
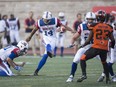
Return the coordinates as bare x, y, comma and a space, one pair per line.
54, 74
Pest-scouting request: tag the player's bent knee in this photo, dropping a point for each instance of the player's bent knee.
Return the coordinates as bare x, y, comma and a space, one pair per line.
83, 57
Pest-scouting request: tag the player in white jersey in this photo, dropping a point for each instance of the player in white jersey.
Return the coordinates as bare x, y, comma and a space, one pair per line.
48, 27
82, 32
61, 35
14, 27
7, 55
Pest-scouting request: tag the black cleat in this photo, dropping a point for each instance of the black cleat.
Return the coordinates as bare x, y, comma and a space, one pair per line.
83, 77
35, 73
49, 54
100, 79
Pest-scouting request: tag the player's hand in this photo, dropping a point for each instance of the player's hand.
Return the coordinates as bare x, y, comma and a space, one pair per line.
18, 68
72, 45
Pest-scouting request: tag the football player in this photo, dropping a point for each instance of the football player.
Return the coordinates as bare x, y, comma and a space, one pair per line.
61, 35
47, 25
14, 26
101, 33
82, 32
111, 54
7, 55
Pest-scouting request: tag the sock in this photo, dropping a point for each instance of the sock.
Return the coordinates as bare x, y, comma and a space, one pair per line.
62, 50
73, 68
83, 67
110, 69
42, 62
48, 47
106, 69
55, 49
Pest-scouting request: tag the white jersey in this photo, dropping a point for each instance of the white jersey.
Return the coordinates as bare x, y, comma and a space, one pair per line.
83, 31
2, 25
48, 30
13, 24
5, 52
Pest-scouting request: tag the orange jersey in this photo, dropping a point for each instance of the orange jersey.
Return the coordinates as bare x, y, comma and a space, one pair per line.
102, 32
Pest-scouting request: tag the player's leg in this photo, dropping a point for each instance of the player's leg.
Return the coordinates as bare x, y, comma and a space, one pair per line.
62, 44
90, 53
4, 69
49, 48
103, 56
57, 42
12, 37
76, 60
110, 63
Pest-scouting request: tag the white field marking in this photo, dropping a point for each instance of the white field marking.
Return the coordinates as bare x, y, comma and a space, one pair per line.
22, 62
41, 57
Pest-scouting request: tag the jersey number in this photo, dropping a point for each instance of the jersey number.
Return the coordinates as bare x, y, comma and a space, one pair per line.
49, 33
100, 33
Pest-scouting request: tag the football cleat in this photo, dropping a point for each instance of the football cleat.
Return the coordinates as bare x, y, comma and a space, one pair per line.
101, 78
70, 79
83, 77
49, 54
35, 73
114, 78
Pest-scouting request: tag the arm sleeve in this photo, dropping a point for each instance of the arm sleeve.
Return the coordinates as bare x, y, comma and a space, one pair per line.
58, 23
12, 55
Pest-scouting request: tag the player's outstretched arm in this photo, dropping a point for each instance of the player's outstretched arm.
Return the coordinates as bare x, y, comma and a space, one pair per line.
74, 38
68, 28
10, 62
32, 33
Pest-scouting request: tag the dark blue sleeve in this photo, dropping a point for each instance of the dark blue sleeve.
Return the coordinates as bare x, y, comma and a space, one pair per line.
12, 55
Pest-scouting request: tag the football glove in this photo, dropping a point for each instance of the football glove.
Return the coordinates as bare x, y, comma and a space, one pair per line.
18, 68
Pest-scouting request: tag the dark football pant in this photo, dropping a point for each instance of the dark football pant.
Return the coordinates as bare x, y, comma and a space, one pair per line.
91, 53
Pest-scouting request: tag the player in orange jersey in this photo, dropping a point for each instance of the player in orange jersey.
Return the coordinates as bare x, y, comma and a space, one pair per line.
100, 33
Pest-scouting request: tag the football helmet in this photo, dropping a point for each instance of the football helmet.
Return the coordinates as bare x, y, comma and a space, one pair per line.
23, 46
61, 15
101, 16
90, 15
47, 15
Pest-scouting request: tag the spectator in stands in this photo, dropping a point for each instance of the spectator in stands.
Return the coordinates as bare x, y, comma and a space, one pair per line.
29, 24
7, 38
2, 30
77, 22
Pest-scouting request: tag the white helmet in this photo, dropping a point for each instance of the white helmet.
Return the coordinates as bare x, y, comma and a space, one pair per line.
47, 15
23, 46
90, 15
61, 14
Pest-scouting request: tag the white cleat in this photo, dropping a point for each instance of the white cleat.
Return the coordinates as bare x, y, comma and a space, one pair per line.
70, 79
114, 78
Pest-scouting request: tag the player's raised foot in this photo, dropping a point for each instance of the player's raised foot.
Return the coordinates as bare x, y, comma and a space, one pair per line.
114, 78
49, 54
108, 81
83, 77
70, 79
101, 79
35, 73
